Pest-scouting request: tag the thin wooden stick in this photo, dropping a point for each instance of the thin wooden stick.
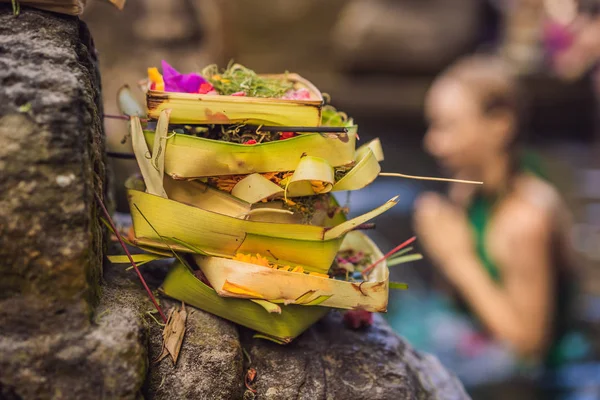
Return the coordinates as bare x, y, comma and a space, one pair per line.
325, 129
124, 156
133, 264
122, 117
429, 178
305, 129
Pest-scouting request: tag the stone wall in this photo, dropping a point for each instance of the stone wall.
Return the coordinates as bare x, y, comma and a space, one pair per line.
51, 158
51, 163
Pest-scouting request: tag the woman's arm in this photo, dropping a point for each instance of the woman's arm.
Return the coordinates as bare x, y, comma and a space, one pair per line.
518, 311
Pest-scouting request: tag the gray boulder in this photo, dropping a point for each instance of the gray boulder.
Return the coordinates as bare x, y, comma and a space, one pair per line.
210, 365
330, 361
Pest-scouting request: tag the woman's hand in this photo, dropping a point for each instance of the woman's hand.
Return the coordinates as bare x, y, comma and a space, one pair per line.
519, 309
445, 233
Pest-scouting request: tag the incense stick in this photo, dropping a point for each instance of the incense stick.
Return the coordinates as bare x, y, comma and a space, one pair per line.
389, 254
429, 178
125, 156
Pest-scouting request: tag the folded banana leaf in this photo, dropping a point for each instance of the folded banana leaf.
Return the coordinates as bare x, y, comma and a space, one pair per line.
314, 176
193, 157
311, 176
233, 278
160, 222
215, 109
284, 322
181, 284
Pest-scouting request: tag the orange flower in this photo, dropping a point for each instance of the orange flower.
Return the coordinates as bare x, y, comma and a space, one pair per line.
250, 259
263, 261
318, 186
156, 80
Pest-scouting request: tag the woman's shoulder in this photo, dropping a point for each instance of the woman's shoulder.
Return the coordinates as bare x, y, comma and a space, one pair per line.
532, 192
533, 205
526, 219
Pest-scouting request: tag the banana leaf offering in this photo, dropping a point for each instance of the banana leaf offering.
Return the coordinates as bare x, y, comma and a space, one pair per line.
234, 95
237, 175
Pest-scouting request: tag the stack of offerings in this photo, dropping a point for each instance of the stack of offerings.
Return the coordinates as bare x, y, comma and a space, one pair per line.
238, 171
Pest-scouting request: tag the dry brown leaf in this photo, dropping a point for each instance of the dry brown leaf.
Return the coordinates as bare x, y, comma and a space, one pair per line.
249, 379
173, 334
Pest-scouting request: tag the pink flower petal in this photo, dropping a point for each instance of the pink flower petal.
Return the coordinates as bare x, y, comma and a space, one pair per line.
300, 94
182, 83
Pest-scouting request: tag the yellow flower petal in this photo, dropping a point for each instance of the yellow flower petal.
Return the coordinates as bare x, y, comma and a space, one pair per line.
237, 289
319, 274
155, 77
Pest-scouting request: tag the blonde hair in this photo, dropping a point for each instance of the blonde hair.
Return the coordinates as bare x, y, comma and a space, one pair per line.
490, 79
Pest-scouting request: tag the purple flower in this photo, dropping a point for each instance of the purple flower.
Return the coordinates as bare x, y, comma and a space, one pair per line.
183, 83
557, 38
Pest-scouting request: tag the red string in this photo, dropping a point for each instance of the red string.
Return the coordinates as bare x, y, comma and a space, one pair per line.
133, 264
389, 253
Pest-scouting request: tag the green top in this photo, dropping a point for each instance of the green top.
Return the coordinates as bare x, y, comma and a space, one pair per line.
481, 209
480, 213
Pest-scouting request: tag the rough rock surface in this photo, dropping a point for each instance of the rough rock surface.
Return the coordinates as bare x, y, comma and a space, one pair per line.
51, 163
332, 362
210, 365
108, 360
327, 362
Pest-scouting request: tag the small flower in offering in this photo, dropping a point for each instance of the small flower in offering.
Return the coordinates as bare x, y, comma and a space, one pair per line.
358, 257
251, 141
207, 88
356, 319
300, 94
156, 80
252, 259
240, 94
318, 186
286, 135
183, 83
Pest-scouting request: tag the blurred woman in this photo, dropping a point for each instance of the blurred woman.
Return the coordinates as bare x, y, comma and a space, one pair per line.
502, 245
